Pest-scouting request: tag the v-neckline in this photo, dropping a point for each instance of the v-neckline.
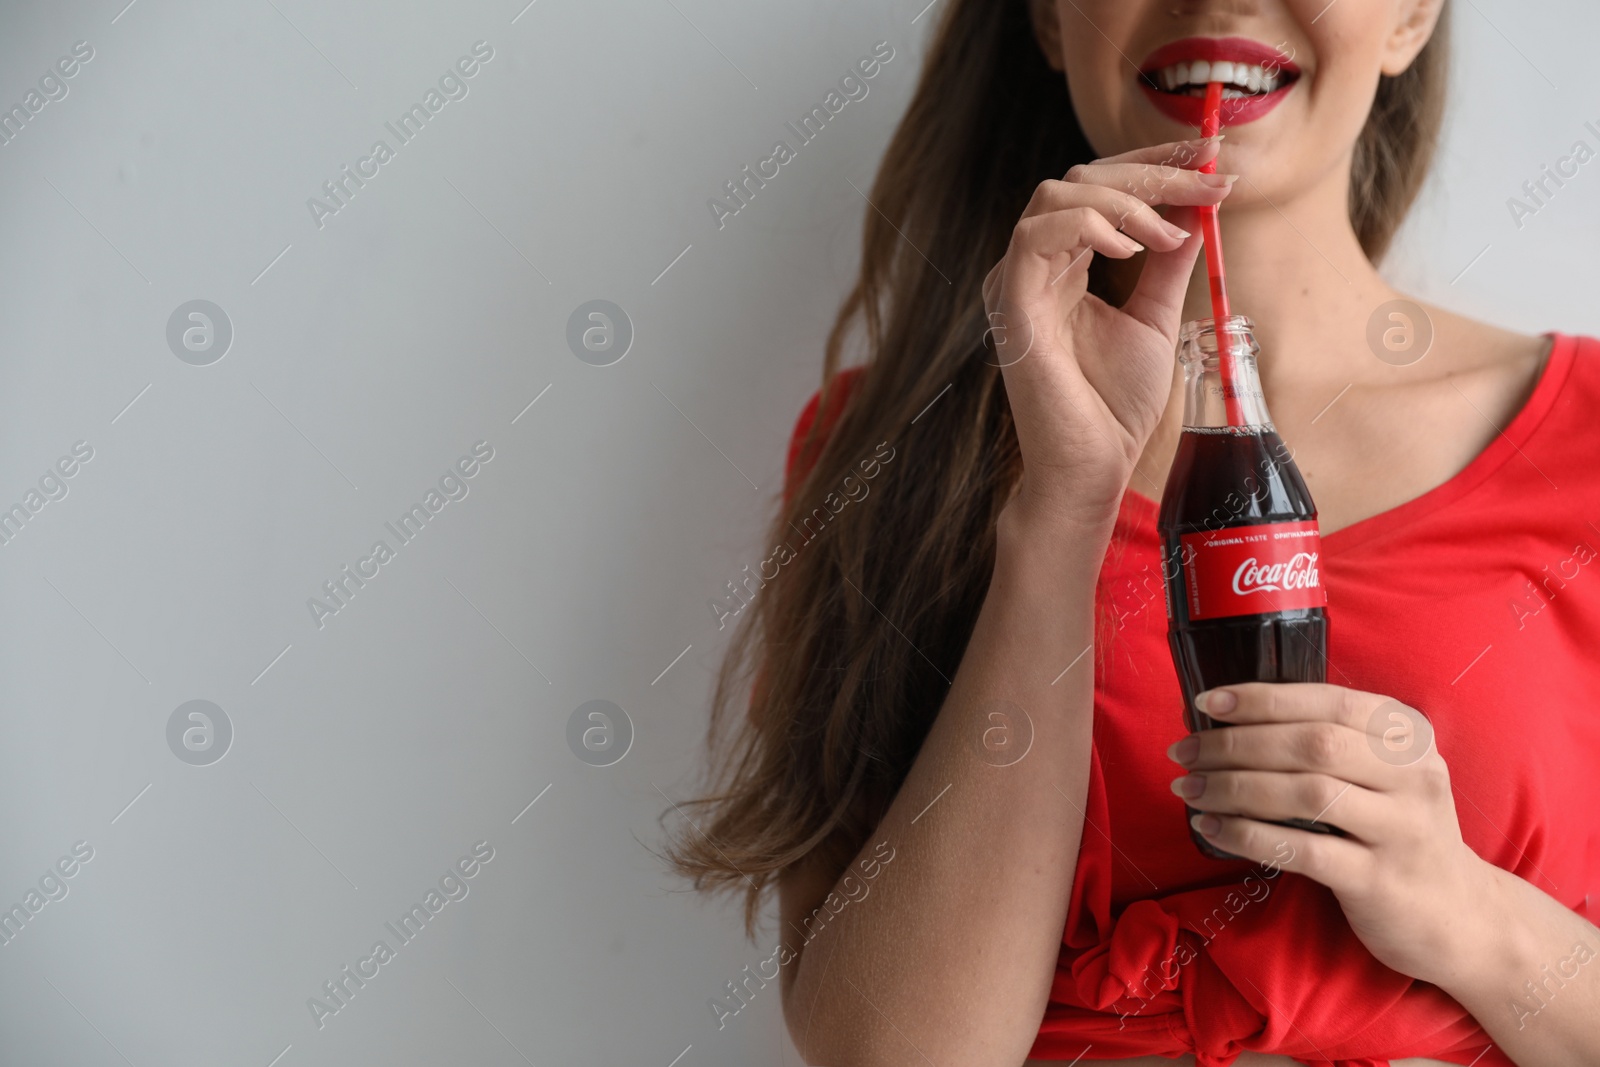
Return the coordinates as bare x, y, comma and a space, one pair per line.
1508, 442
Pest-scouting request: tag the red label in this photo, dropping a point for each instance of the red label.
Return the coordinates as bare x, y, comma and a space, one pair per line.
1252, 570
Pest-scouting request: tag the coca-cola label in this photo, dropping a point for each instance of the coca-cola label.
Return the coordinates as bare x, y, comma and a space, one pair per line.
1252, 570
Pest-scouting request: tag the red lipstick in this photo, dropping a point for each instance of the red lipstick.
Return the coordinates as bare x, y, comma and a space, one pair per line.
1187, 107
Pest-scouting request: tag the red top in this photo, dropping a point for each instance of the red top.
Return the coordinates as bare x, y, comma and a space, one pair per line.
1472, 603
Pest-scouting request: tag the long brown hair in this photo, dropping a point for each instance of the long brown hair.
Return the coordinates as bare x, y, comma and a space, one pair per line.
852, 644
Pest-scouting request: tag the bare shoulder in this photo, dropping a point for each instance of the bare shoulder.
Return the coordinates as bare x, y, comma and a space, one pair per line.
1492, 367
1411, 425
1468, 347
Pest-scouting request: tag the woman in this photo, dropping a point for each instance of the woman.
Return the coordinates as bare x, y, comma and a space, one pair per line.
971, 512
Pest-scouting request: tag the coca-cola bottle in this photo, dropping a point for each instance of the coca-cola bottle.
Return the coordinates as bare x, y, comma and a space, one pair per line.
1241, 552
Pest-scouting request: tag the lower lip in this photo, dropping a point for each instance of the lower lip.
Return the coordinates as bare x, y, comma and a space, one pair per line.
1236, 111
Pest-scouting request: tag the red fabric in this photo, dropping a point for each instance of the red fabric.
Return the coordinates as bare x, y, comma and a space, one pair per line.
1167, 952
800, 460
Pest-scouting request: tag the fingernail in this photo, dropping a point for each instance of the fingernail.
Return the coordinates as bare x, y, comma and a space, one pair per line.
1185, 750
1189, 786
1206, 823
1218, 181
1216, 701
1174, 231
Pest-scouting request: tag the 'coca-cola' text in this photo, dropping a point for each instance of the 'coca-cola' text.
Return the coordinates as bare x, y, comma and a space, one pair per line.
1300, 572
1252, 570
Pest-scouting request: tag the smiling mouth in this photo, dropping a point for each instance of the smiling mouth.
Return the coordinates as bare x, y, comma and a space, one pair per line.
1239, 80
1255, 78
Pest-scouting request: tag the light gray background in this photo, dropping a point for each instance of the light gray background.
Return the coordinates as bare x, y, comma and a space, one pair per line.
371, 754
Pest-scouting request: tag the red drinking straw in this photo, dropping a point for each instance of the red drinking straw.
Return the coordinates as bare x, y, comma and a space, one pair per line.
1211, 229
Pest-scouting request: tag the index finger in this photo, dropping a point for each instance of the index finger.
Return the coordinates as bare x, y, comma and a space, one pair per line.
1245, 702
1189, 155
1398, 735
1156, 184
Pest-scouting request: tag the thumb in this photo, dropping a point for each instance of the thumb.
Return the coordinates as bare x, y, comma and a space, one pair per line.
1157, 300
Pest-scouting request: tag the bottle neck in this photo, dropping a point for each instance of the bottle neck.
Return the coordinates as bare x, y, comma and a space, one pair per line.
1221, 384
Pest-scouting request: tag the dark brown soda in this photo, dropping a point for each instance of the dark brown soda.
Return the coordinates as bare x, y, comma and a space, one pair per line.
1220, 478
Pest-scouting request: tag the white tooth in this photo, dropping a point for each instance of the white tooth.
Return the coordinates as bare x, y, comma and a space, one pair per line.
1256, 74
1169, 79
1241, 75
1221, 71
1180, 74
1230, 93
1269, 82
1199, 72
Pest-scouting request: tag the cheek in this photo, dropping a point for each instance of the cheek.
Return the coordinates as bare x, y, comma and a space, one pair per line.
1344, 51
1307, 141
1099, 38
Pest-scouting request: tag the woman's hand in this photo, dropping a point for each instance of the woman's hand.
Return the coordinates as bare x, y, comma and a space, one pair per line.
1088, 382
1411, 889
